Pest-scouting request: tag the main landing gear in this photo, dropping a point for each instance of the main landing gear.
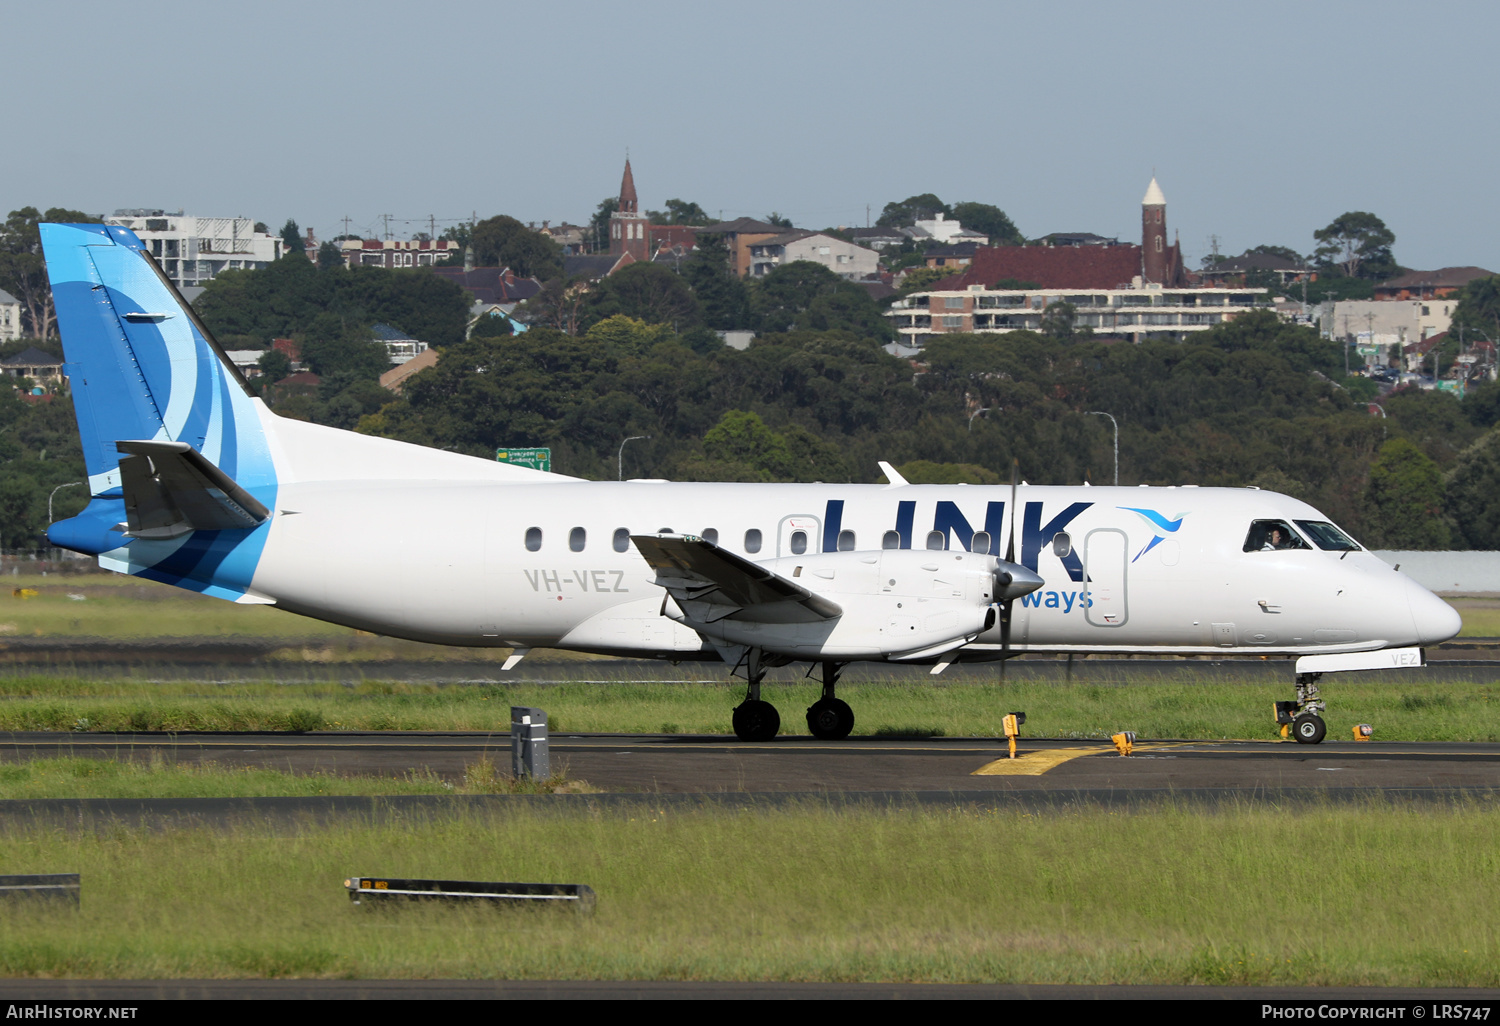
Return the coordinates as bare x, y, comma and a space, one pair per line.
1301, 718
830, 718
755, 719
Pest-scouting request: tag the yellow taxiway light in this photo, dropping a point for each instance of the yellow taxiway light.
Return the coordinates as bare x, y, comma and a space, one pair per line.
1012, 723
1362, 731
1124, 741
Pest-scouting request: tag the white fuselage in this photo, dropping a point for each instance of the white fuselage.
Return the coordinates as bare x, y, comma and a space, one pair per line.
536, 561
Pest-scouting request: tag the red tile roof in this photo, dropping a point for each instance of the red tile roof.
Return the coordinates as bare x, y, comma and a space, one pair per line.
1052, 267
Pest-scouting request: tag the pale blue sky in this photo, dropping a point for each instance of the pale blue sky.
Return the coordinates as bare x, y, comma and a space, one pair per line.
1262, 121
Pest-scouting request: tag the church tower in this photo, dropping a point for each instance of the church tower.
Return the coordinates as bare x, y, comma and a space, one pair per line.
1155, 255
629, 232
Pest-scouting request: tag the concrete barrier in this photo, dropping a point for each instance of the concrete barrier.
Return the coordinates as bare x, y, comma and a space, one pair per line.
1463, 573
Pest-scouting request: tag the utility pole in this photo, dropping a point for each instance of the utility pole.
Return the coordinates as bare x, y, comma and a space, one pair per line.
387, 219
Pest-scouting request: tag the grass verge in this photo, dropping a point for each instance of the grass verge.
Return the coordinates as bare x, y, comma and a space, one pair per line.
1169, 895
157, 777
1436, 710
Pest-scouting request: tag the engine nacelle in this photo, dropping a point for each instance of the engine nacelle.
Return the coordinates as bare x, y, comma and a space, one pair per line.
897, 604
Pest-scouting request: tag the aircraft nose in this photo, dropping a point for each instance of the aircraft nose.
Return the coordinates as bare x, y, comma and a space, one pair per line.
1436, 621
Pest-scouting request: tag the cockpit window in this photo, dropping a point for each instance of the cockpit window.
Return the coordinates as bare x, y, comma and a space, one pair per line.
1269, 535
1327, 537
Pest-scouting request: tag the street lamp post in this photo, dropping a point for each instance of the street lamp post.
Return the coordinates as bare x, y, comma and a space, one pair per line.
59, 488
620, 468
1100, 413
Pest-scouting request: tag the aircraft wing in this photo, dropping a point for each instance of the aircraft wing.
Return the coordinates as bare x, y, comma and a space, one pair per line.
170, 489
711, 583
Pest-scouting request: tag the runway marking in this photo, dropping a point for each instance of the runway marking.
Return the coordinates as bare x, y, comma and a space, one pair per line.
1032, 764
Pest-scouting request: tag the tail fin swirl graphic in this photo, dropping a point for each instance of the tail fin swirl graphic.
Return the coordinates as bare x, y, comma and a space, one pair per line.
143, 369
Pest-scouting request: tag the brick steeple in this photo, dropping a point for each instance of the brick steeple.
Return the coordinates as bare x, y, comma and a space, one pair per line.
1156, 258
628, 203
629, 232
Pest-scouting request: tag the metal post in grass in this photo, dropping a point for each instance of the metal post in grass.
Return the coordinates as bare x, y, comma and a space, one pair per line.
46, 886
528, 743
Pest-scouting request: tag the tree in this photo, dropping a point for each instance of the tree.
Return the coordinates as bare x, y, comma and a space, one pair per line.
329, 256
1285, 252
505, 242
646, 292
722, 294
776, 219
1357, 240
1404, 500
910, 210
292, 240
924, 278
1058, 320
599, 224
274, 366
1477, 314
991, 221
1473, 493
23, 271
680, 212
808, 296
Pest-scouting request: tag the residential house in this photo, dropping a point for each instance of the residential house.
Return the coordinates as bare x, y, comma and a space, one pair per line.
33, 363
396, 252
1234, 270
740, 235
944, 232
842, 258
193, 250
1439, 284
10, 317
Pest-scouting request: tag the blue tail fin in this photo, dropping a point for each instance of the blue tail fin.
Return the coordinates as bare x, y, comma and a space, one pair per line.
142, 368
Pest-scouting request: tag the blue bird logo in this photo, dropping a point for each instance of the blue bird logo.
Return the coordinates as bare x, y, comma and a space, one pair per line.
1161, 526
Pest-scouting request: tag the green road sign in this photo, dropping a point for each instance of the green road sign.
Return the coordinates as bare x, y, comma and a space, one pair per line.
536, 459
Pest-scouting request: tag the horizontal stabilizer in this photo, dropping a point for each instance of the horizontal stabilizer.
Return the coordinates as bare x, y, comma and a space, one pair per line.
711, 583
171, 489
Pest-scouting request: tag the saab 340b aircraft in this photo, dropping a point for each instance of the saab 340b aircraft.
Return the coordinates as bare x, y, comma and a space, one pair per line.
196, 484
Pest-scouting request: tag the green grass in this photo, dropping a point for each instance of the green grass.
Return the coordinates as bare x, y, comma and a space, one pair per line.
154, 776
1373, 895
1435, 710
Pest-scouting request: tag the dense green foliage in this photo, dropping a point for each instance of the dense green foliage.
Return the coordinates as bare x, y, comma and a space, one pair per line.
293, 298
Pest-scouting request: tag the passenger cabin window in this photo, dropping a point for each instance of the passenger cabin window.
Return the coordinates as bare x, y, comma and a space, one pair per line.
799, 542
710, 535
891, 540
1062, 544
1270, 535
622, 539
1327, 537
980, 542
577, 539
937, 539
533, 539
846, 541
752, 540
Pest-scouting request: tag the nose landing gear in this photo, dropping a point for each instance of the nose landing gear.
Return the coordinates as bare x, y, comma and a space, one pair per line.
1301, 718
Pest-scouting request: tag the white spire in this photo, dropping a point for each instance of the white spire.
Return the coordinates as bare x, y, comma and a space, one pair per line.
1154, 198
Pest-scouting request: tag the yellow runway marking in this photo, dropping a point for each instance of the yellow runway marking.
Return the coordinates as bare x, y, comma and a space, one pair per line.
1032, 764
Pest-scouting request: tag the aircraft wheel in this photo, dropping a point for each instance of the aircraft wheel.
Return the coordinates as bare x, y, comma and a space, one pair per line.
756, 721
830, 719
1309, 729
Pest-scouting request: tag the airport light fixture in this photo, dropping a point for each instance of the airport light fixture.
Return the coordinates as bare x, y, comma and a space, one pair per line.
1099, 413
620, 462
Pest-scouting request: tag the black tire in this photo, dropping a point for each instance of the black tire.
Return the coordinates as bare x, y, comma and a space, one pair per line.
756, 721
1309, 729
830, 719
